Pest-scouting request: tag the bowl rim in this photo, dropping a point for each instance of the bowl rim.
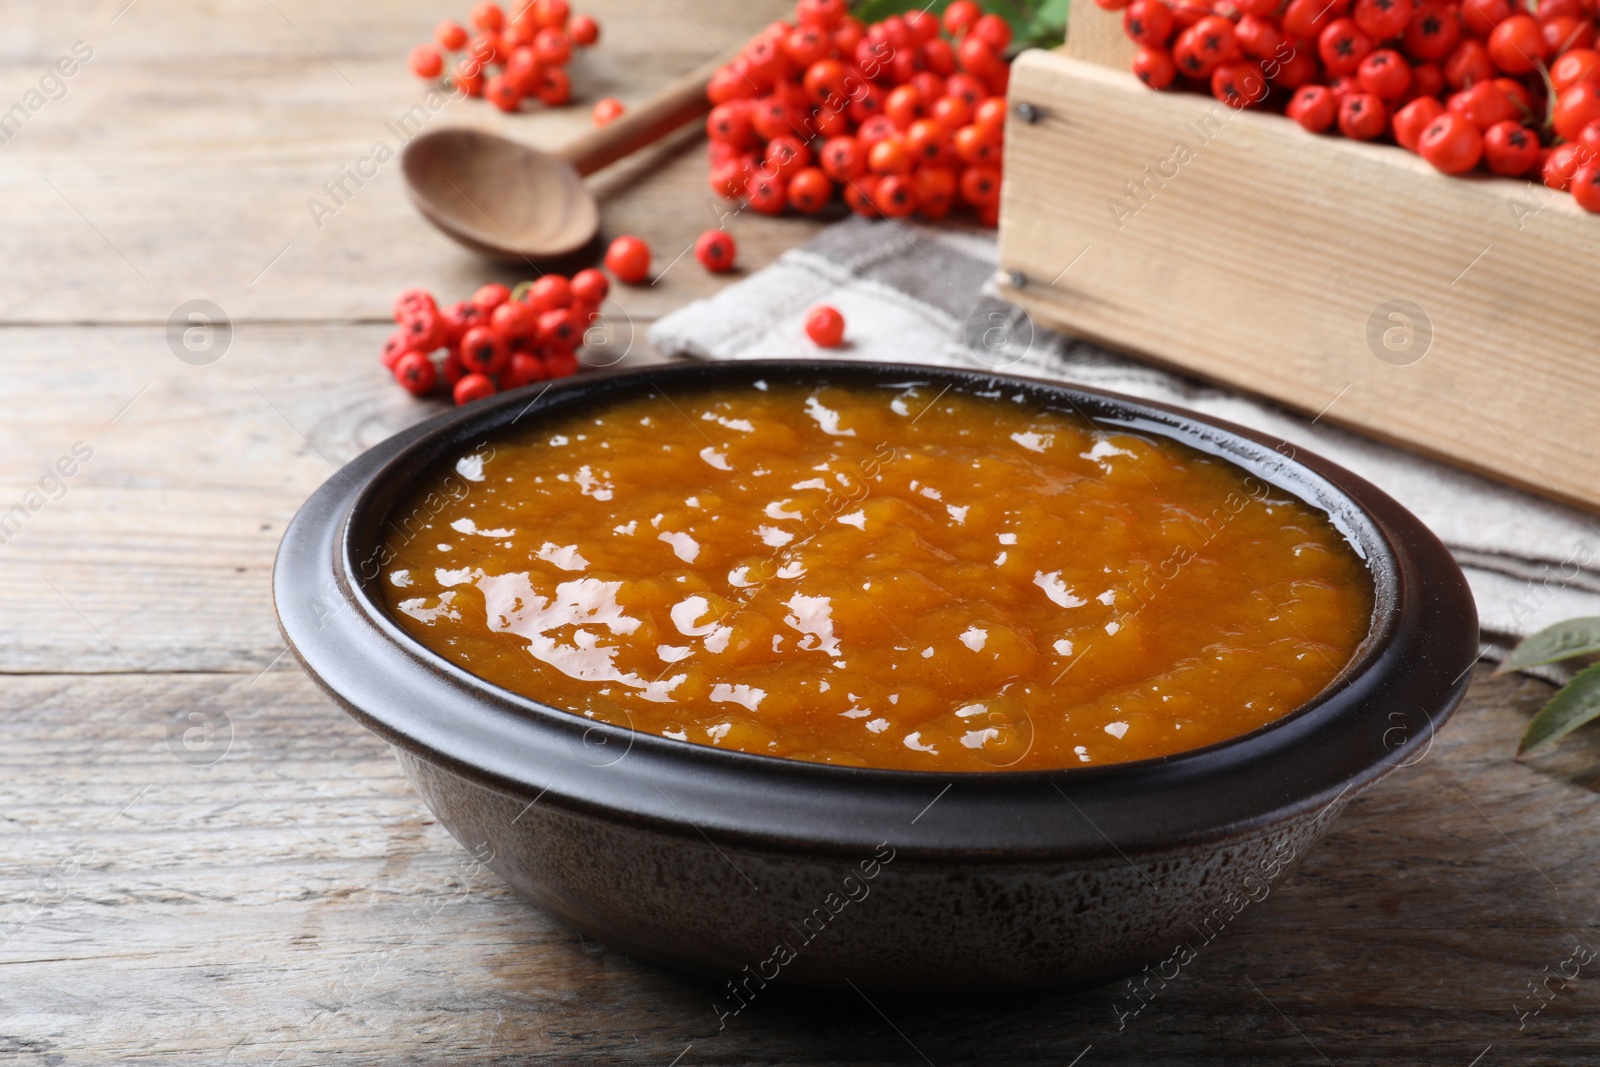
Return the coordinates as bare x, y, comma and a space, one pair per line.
1418, 591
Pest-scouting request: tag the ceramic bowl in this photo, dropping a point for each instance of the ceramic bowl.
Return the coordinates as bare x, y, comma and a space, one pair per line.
760, 869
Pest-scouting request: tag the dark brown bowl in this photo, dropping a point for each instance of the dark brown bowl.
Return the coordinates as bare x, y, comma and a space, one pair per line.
768, 869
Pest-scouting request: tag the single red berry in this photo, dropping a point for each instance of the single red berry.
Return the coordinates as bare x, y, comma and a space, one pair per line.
1427, 79
825, 13
629, 259
412, 298
450, 35
1148, 22
1590, 137
1451, 144
1362, 116
1578, 65
1564, 32
1511, 149
490, 296
980, 186
978, 57
951, 112
929, 142
550, 13
559, 327
766, 193
1480, 17
842, 158
993, 31
1215, 39
426, 62
858, 194
1259, 37
513, 321
560, 362
1468, 64
1585, 186
716, 250
488, 17
524, 368
503, 93
1314, 107
452, 371
551, 291
977, 145
1300, 68
1576, 107
554, 87
552, 48
1411, 120
730, 124
1154, 66
1383, 20
935, 188
607, 110
1517, 44
468, 76
473, 387
1305, 19
416, 373
1484, 105
825, 326
1433, 31
425, 327
483, 351
590, 286
583, 30
458, 319
1385, 74
396, 346
1342, 46
896, 196
1563, 161
961, 16
1239, 83
786, 156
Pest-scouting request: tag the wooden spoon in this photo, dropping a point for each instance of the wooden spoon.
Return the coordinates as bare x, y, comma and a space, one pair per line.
507, 201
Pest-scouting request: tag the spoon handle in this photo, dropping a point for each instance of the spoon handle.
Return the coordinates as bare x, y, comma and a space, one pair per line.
678, 104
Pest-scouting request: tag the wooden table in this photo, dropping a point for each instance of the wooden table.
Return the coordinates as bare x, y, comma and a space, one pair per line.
293, 901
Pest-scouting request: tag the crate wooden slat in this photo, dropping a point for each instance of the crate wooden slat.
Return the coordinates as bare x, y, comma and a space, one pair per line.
1237, 247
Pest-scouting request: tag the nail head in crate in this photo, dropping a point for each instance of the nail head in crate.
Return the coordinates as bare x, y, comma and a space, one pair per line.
1350, 279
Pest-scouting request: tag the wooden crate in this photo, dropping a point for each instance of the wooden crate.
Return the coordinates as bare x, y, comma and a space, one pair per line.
1458, 317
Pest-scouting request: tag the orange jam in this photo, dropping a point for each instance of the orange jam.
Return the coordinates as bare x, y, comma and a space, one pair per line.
897, 577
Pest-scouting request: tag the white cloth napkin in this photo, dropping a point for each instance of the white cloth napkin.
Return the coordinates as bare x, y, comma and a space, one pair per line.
918, 294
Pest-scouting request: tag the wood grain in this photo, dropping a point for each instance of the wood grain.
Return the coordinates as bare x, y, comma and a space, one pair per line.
295, 903
1344, 279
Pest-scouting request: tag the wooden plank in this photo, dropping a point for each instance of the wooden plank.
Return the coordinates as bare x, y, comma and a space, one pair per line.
1095, 35
1340, 278
181, 161
295, 903
155, 555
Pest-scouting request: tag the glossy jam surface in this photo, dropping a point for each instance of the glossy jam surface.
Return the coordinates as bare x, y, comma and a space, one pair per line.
888, 577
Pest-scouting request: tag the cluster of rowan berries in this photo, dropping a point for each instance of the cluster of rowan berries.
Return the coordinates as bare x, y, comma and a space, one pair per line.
902, 115
500, 339
510, 60
1513, 88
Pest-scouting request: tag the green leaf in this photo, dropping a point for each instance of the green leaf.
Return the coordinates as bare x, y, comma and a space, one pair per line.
1577, 703
1564, 640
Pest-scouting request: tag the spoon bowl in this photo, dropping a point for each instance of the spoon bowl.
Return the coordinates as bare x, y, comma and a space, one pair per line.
498, 197
508, 201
